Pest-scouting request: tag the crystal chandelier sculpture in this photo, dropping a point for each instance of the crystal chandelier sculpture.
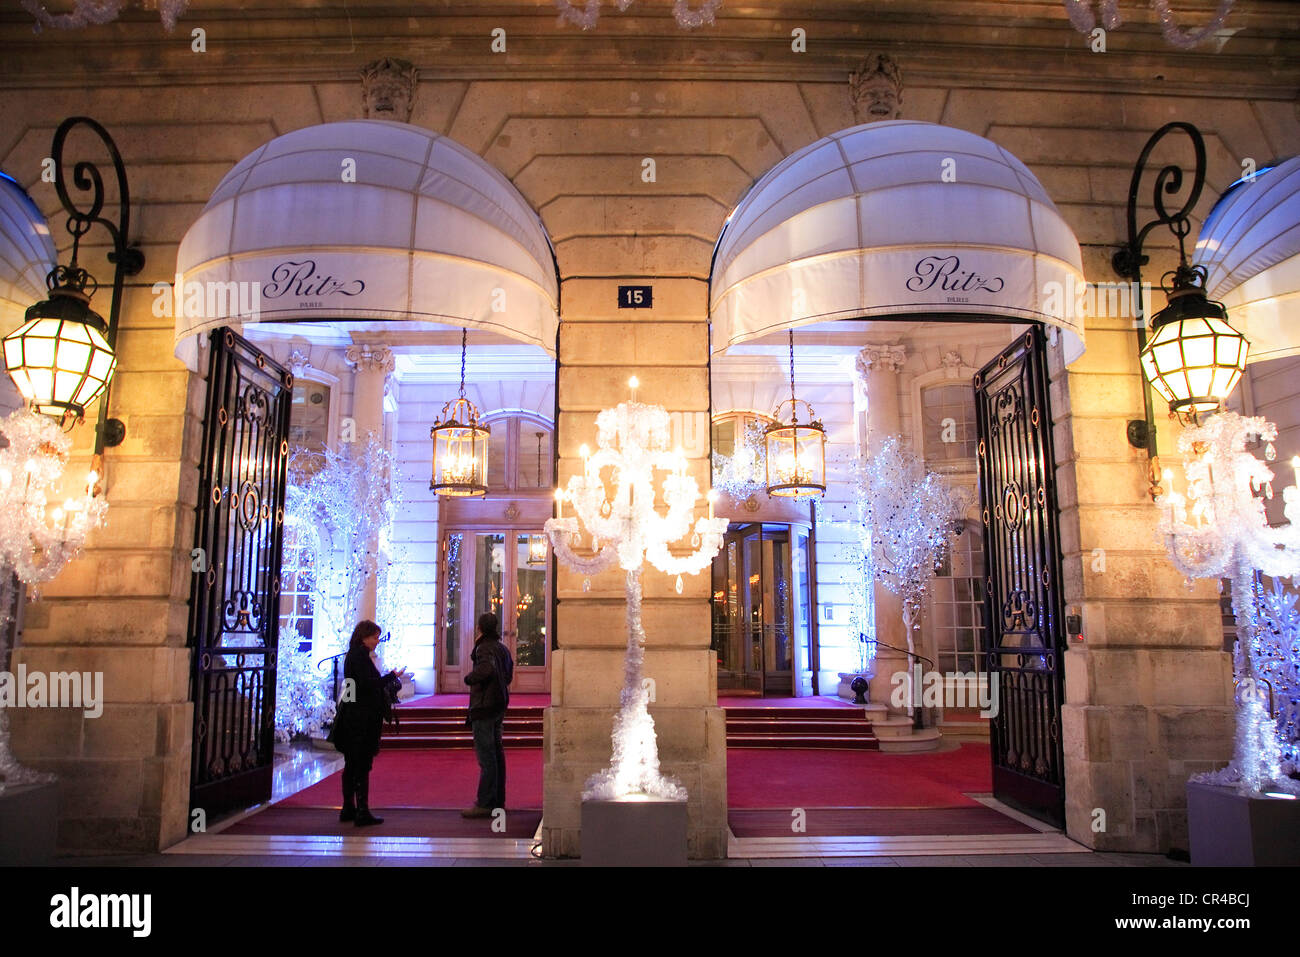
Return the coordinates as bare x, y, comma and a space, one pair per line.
86, 12
40, 534
1227, 534
587, 15
1085, 21
615, 499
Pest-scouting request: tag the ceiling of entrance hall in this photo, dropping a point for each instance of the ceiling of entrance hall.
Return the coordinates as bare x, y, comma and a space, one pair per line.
571, 116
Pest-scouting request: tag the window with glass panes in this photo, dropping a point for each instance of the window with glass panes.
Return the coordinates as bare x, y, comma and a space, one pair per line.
948, 423
736, 430
519, 453
957, 604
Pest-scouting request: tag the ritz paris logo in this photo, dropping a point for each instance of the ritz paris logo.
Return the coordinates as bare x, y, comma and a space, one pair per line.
299, 280
946, 273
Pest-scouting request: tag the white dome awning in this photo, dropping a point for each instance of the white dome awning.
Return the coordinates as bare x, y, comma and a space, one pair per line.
27, 254
1250, 248
367, 220
895, 218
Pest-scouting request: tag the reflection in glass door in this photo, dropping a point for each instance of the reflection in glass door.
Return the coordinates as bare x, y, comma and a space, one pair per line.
760, 611
511, 583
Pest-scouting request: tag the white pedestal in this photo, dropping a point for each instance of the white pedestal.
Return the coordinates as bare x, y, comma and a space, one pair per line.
29, 824
634, 832
1227, 829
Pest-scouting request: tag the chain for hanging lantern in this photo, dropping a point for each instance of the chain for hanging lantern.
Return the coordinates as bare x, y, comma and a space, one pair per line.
460, 444
796, 452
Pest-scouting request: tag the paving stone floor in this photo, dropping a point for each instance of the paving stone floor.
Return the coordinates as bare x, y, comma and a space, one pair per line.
1100, 859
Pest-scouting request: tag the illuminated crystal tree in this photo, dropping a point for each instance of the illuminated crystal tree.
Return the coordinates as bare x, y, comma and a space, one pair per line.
339, 508
615, 501
906, 518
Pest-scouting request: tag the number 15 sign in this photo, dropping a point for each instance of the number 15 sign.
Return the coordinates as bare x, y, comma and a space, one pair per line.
635, 297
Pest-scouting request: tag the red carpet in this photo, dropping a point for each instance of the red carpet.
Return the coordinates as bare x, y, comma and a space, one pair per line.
430, 779
398, 822
874, 822
792, 778
755, 779
420, 794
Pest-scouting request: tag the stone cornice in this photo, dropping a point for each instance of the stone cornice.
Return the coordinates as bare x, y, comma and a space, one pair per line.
991, 43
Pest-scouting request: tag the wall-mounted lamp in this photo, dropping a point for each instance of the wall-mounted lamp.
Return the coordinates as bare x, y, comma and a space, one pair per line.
62, 358
1193, 357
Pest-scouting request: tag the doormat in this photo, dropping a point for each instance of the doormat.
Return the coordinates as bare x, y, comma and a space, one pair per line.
279, 820
874, 822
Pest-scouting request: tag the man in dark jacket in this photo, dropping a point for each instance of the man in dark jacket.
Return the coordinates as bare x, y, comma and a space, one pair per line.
489, 696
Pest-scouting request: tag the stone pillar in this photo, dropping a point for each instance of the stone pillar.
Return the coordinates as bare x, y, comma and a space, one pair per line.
120, 610
372, 366
666, 347
878, 368
1148, 689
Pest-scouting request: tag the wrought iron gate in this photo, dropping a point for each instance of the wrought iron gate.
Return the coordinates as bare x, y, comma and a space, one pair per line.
1022, 597
234, 599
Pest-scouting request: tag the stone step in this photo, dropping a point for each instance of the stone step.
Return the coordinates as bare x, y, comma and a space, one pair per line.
926, 739
861, 742
463, 740
449, 714
455, 727
777, 727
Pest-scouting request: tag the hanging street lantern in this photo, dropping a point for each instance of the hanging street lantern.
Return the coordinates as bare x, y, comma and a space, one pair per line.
59, 357
460, 445
1194, 357
796, 451
62, 357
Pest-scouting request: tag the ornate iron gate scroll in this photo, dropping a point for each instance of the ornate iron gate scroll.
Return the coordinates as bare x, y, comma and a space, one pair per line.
1022, 597
235, 596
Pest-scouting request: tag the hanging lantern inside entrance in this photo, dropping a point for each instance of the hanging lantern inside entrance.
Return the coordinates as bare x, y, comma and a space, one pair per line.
796, 451
1194, 358
460, 445
537, 550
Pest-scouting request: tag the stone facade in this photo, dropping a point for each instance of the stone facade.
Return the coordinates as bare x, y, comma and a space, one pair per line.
573, 119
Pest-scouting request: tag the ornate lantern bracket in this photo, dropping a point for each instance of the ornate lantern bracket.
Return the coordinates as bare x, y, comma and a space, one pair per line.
63, 357
1192, 357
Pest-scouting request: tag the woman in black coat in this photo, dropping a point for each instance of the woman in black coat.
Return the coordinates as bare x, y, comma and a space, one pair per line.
363, 707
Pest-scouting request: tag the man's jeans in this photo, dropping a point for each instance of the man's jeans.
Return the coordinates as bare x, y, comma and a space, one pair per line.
491, 754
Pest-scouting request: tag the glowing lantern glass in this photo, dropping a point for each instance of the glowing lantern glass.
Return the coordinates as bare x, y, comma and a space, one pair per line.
460, 445
59, 357
796, 451
537, 549
1194, 357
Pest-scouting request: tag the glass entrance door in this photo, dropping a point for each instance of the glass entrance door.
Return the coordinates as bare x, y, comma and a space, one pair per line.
502, 572
756, 589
